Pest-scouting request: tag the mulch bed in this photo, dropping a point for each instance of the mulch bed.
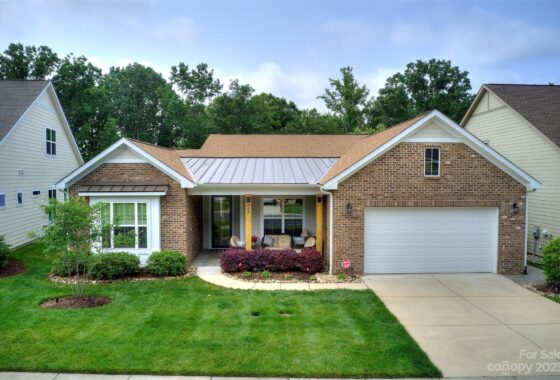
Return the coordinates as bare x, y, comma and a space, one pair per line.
275, 276
14, 268
143, 275
76, 302
547, 289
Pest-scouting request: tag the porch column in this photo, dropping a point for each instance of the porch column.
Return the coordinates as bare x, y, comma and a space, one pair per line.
248, 212
319, 223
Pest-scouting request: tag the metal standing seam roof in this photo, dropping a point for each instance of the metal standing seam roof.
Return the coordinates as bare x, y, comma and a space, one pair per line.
212, 170
123, 187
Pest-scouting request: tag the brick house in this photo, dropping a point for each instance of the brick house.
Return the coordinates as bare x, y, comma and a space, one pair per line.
421, 196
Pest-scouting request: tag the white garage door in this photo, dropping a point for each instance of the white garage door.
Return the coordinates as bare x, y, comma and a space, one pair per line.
430, 240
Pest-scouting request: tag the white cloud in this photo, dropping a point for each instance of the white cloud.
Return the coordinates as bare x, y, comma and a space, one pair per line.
300, 86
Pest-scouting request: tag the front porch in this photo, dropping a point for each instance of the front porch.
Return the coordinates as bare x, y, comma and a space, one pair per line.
250, 217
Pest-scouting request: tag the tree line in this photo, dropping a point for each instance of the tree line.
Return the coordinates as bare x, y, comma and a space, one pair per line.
182, 110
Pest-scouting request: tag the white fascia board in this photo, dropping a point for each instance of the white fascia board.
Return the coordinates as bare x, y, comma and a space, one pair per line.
473, 105
101, 157
465, 137
65, 123
242, 189
122, 194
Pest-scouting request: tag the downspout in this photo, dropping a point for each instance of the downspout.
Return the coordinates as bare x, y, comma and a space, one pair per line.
330, 228
526, 226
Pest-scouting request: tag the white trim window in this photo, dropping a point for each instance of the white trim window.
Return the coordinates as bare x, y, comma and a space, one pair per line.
19, 198
432, 161
283, 216
36, 193
2, 201
52, 198
50, 148
131, 220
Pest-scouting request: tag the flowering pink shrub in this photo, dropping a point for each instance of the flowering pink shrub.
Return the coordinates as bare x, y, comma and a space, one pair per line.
236, 260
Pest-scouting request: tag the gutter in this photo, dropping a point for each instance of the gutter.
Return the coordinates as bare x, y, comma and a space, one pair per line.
330, 194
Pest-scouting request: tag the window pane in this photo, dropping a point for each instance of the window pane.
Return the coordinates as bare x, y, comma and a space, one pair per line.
123, 213
293, 207
272, 208
2, 200
124, 237
53, 149
48, 137
53, 135
142, 214
19, 198
142, 237
272, 226
293, 227
48, 148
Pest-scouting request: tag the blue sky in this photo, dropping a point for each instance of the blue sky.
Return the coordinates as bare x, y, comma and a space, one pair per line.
291, 48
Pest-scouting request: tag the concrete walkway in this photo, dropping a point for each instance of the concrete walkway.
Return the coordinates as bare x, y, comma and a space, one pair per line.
475, 324
208, 269
76, 376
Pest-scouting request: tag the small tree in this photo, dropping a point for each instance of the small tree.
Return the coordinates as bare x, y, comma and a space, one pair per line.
75, 228
551, 262
4, 253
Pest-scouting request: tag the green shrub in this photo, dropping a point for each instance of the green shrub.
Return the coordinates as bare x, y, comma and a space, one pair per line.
551, 262
4, 252
108, 266
167, 263
67, 263
266, 275
247, 274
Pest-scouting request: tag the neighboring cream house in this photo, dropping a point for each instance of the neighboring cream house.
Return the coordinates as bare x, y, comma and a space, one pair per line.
36, 150
522, 122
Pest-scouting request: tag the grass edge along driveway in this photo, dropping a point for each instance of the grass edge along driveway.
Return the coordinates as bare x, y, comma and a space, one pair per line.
190, 327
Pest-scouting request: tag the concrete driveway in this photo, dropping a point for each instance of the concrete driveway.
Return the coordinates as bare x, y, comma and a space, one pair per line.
475, 324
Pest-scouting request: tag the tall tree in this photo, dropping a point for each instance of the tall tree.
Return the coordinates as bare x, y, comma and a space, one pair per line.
231, 111
27, 62
347, 100
134, 92
424, 86
85, 104
270, 114
198, 87
311, 121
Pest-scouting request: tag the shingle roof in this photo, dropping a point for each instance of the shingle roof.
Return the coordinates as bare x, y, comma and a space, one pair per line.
538, 104
366, 146
272, 158
208, 170
169, 157
276, 146
15, 98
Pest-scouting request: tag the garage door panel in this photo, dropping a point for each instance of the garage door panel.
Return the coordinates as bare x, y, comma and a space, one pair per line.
430, 240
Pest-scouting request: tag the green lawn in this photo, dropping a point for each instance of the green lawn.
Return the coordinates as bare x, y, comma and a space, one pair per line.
190, 327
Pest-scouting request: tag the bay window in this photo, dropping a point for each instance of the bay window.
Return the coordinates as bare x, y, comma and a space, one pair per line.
130, 225
283, 216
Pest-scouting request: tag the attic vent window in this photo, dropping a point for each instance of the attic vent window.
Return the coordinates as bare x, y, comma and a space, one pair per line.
431, 162
51, 142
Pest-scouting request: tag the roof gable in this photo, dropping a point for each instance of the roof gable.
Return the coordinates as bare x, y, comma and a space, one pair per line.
16, 96
357, 160
166, 160
539, 105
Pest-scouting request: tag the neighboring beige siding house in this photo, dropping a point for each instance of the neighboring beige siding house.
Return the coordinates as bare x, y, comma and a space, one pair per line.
522, 122
36, 150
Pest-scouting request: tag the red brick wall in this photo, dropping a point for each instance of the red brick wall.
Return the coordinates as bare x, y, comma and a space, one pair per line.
396, 179
180, 213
